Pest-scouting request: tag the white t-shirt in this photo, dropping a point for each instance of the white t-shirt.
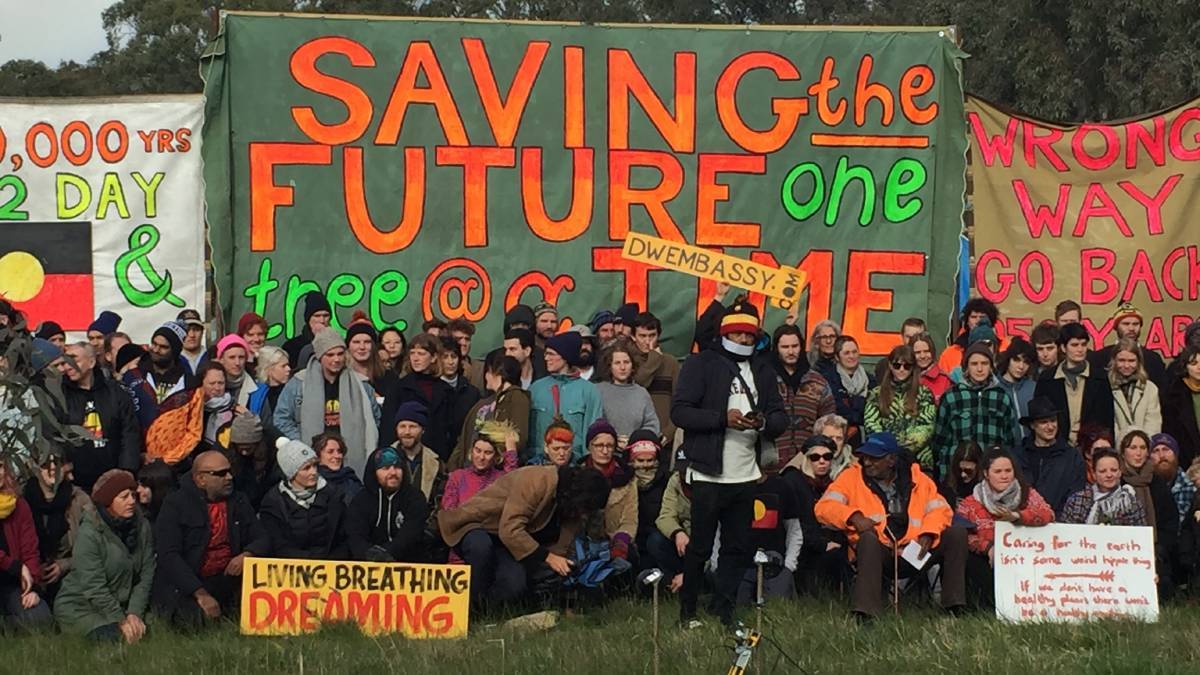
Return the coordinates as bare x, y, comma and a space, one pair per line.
739, 462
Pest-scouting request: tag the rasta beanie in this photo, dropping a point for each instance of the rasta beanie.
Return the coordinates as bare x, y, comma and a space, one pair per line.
742, 317
315, 302
174, 333
108, 322
1124, 311
567, 345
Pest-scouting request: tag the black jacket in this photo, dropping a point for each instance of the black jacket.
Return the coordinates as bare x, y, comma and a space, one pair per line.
440, 433
701, 403
181, 535
1056, 472
295, 345
463, 397
317, 532
122, 443
649, 504
1179, 420
816, 536
1097, 405
392, 524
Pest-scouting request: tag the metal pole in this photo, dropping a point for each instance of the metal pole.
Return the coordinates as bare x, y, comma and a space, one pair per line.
656, 627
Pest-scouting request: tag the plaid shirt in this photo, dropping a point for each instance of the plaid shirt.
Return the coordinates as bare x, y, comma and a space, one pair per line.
981, 415
1183, 490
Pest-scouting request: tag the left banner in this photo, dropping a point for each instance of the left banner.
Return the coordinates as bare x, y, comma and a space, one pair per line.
101, 207
289, 597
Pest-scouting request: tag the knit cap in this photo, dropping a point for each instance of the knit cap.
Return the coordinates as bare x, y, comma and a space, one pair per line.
326, 340
232, 340
600, 426
110, 484
174, 333
543, 307
740, 318
43, 353
567, 345
246, 429
108, 322
315, 302
292, 456
49, 329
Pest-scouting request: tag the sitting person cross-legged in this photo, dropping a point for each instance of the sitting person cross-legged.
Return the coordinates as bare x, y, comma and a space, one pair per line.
386, 519
1002, 494
883, 505
304, 516
1108, 501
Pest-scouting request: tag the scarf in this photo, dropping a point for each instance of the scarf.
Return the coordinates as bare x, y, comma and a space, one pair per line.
994, 502
217, 413
1072, 373
239, 384
735, 351
1105, 507
125, 528
8, 504
304, 497
49, 515
855, 383
645, 477
358, 422
1139, 479
1192, 385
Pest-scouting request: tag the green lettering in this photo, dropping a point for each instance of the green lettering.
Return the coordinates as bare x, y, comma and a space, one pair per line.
258, 292
389, 288
339, 297
842, 177
906, 177
297, 288
803, 211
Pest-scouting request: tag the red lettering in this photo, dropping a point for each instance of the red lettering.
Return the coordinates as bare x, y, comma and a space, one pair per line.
1044, 144
994, 147
1093, 274
421, 59
1175, 139
787, 111
504, 113
625, 78
1112, 147
862, 297
1041, 218
475, 162
709, 231
304, 71
621, 195
579, 216
1153, 204
1097, 204
1154, 143
265, 194
358, 215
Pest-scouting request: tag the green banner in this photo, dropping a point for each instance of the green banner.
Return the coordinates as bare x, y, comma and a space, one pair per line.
420, 168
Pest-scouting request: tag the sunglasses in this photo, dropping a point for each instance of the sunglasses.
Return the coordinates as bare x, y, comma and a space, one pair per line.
819, 457
220, 473
901, 365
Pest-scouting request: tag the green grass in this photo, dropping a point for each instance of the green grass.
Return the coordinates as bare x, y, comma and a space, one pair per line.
616, 640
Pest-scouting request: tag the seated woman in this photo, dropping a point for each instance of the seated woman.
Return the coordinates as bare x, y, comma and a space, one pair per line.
964, 473
507, 403
621, 513
650, 476
190, 417
902, 406
304, 516
1107, 502
57, 506
493, 453
331, 464
107, 593
1154, 495
1001, 494
823, 564
559, 439
20, 562
155, 481
522, 527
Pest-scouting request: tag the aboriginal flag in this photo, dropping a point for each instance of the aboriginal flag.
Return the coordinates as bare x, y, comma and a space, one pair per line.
59, 256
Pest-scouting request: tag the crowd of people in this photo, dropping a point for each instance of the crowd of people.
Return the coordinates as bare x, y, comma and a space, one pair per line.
565, 461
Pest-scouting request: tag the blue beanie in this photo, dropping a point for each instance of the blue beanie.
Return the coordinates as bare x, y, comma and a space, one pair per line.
107, 323
43, 353
412, 411
567, 345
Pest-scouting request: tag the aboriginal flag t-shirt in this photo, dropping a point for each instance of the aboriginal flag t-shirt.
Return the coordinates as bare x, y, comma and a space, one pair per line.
773, 504
333, 407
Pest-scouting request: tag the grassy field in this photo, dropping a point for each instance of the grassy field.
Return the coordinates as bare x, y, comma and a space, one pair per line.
616, 640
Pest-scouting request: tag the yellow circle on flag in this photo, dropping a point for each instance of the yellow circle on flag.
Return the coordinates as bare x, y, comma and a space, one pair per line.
21, 276
760, 509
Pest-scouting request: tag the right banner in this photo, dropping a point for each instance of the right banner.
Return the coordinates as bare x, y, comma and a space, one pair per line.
1097, 213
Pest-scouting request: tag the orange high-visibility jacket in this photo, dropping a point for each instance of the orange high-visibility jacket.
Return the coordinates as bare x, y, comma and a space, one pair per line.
928, 512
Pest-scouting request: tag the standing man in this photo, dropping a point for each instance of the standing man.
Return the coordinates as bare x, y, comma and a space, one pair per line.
316, 319
193, 342
727, 406
563, 393
518, 343
1045, 342
327, 396
1077, 390
656, 371
101, 407
463, 331
105, 324
163, 368
1052, 467
201, 537
545, 322
1127, 323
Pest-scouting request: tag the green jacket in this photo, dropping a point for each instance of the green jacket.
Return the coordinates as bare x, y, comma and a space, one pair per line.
106, 581
913, 432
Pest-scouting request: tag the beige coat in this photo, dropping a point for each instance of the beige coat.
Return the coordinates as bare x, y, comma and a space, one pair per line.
513, 508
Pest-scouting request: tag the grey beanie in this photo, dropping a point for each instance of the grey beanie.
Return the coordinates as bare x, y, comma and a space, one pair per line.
292, 456
326, 340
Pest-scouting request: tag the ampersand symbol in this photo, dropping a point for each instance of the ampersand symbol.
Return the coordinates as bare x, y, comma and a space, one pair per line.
142, 241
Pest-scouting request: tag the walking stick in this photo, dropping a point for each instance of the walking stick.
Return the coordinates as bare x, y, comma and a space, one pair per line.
895, 570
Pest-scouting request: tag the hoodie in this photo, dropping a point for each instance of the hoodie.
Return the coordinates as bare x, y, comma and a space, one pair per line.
385, 527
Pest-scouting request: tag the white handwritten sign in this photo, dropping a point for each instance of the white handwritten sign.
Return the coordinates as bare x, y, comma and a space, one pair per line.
1074, 573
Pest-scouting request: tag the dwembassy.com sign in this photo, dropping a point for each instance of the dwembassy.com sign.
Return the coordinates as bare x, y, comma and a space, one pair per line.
287, 597
448, 168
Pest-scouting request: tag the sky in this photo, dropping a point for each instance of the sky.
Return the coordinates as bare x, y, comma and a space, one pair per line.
51, 31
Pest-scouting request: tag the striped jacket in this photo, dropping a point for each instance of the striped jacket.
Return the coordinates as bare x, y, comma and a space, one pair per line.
812, 400
981, 415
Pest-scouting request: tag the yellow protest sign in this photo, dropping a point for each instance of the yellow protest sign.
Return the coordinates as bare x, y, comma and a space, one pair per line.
289, 597
781, 284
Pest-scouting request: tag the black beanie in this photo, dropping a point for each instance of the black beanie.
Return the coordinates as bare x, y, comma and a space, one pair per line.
315, 302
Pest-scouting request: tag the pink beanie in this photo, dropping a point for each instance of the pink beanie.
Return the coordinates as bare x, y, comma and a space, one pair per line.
232, 340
